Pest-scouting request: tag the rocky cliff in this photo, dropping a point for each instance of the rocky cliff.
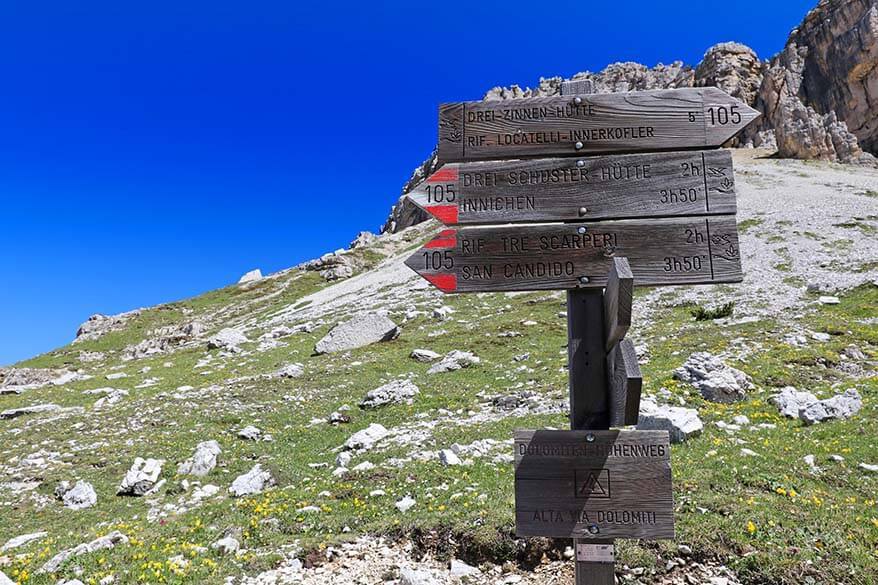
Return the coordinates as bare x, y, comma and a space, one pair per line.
819, 96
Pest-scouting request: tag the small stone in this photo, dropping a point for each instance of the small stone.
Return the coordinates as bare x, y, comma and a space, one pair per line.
454, 360
35, 409
358, 332
391, 393
203, 461
343, 459
821, 337
716, 381
364, 466
22, 540
252, 482
684, 550
141, 478
377, 493
415, 577
836, 458
868, 467
424, 355
741, 420
103, 542
365, 439
442, 313
405, 504
460, 569
828, 300
340, 472
76, 497
749, 453
449, 457
226, 546
521, 358
250, 433
291, 371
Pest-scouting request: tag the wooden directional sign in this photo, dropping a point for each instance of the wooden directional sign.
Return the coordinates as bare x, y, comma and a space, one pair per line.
697, 250
563, 189
625, 383
670, 119
593, 484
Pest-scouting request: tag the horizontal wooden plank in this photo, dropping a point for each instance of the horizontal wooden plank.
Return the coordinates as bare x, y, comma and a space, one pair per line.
671, 119
669, 184
696, 250
593, 484
625, 384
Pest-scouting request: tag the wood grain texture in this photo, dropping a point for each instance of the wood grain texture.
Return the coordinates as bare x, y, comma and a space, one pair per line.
625, 384
671, 119
616, 486
585, 360
669, 184
618, 297
558, 256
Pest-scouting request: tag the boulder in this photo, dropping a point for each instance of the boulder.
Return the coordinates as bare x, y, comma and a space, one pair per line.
251, 276
291, 371
141, 478
365, 439
363, 239
716, 381
250, 433
252, 482
227, 339
226, 546
360, 331
35, 409
390, 393
76, 497
405, 504
99, 325
424, 355
843, 405
454, 360
732, 67
449, 457
681, 423
202, 461
790, 401
108, 541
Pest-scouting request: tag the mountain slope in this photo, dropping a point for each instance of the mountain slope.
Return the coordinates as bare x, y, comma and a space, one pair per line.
745, 498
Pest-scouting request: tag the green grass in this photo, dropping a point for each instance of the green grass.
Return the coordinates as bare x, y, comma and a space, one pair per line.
709, 314
827, 530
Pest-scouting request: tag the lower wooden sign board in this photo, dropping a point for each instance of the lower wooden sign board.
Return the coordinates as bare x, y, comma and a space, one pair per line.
596, 485
667, 251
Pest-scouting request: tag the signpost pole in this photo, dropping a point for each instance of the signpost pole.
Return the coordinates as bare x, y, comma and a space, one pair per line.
588, 379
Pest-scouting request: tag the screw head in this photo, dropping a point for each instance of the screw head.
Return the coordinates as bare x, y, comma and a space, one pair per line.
583, 279
580, 163
577, 100
593, 528
581, 230
589, 438
578, 145
583, 211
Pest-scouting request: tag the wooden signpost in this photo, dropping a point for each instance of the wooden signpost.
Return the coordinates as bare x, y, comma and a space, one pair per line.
670, 184
671, 221
573, 125
686, 250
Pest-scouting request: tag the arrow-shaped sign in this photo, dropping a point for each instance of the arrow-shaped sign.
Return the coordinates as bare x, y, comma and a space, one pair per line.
670, 119
667, 184
697, 250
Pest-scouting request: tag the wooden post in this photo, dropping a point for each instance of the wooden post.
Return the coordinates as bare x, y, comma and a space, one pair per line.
586, 362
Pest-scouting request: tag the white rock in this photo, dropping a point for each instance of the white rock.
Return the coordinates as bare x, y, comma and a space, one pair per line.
116, 376
828, 300
460, 569
77, 497
108, 541
202, 461
454, 360
4, 580
442, 313
868, 467
340, 472
741, 420
716, 381
35, 409
810, 462
749, 453
358, 332
252, 482
843, 405
449, 457
424, 355
22, 540
391, 393
790, 401
821, 337
405, 504
251, 276
836, 458
343, 458
364, 466
681, 423
141, 478
226, 546
250, 433
291, 371
377, 493
227, 339
416, 577
365, 439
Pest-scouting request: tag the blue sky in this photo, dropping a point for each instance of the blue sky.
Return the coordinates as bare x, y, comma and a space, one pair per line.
152, 151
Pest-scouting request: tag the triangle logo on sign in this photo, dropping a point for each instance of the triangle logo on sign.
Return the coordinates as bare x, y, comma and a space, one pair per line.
592, 486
